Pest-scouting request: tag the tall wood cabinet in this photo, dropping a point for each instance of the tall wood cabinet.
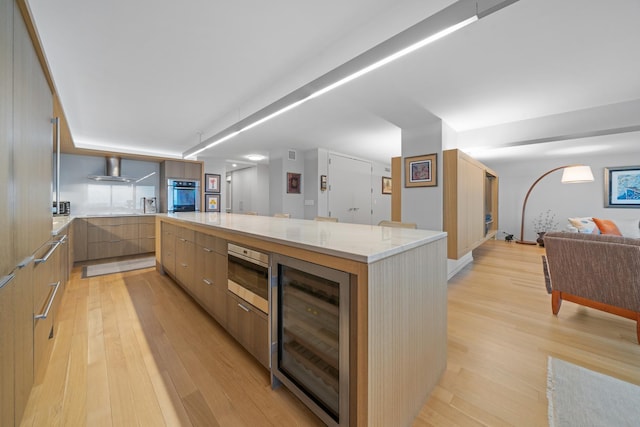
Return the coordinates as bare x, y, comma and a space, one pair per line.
26, 153
470, 203
185, 169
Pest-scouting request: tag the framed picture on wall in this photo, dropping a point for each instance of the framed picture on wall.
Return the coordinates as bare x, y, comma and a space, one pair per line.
622, 187
293, 182
386, 185
420, 171
212, 202
212, 183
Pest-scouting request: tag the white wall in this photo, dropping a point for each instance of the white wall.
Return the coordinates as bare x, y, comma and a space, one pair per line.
311, 186
423, 205
565, 200
381, 203
89, 196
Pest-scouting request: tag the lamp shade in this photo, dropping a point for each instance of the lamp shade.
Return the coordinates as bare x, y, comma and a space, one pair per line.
577, 174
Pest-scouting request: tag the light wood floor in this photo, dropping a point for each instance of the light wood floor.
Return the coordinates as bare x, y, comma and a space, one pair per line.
133, 349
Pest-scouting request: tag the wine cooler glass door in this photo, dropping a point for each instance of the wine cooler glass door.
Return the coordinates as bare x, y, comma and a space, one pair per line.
312, 332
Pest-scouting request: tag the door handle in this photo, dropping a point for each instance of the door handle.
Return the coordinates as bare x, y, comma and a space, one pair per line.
53, 296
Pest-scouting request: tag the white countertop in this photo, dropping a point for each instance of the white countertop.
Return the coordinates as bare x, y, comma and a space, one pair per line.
363, 243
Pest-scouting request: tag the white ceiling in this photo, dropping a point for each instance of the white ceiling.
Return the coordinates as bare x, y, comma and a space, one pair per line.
149, 76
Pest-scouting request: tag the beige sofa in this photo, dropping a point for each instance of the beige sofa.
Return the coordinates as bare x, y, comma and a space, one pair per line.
595, 270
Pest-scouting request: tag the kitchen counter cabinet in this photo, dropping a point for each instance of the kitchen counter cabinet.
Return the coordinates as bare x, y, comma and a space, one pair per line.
249, 326
185, 257
168, 251
147, 234
80, 239
210, 284
98, 237
397, 286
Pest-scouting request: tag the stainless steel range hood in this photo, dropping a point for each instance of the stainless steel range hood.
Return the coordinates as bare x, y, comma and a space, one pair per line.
112, 172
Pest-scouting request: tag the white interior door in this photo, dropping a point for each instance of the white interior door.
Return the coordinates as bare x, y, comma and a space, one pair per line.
350, 191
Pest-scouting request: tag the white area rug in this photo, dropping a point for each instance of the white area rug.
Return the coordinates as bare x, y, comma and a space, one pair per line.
580, 397
118, 266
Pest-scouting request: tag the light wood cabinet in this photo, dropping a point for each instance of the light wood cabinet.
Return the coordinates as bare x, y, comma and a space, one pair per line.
23, 341
7, 256
147, 234
80, 239
32, 147
185, 257
49, 271
168, 245
7, 353
210, 284
26, 152
249, 326
107, 237
184, 169
470, 203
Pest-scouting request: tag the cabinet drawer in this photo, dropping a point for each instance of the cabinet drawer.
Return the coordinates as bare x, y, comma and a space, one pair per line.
146, 231
110, 233
147, 244
97, 250
185, 234
211, 242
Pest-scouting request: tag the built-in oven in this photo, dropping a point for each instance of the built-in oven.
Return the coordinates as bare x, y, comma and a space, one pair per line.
183, 195
248, 275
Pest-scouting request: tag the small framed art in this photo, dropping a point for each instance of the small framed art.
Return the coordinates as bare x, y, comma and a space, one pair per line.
386, 185
420, 171
293, 182
212, 183
622, 187
212, 202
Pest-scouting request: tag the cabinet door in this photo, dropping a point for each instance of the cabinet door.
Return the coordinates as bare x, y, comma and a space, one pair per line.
185, 258
33, 145
23, 337
7, 258
470, 205
211, 278
168, 244
147, 235
79, 239
249, 326
7, 353
193, 170
173, 169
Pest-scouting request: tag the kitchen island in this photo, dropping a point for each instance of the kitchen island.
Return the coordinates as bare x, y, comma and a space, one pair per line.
397, 309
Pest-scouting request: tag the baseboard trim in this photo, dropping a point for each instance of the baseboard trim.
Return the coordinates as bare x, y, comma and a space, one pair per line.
455, 265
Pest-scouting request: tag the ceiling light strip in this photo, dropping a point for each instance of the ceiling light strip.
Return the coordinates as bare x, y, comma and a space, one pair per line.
435, 27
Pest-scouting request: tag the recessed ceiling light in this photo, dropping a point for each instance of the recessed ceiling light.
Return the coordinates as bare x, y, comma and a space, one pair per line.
235, 165
255, 157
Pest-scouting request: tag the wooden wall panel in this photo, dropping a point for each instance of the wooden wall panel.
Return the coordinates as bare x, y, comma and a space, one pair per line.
407, 332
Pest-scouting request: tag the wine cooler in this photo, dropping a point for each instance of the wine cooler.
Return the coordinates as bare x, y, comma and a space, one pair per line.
310, 330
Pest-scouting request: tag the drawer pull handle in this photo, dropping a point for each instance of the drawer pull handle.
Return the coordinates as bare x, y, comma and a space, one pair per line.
53, 296
207, 250
243, 307
184, 265
208, 282
46, 256
6, 279
183, 240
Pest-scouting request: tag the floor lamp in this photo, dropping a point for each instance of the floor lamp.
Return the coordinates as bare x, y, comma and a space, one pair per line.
572, 174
